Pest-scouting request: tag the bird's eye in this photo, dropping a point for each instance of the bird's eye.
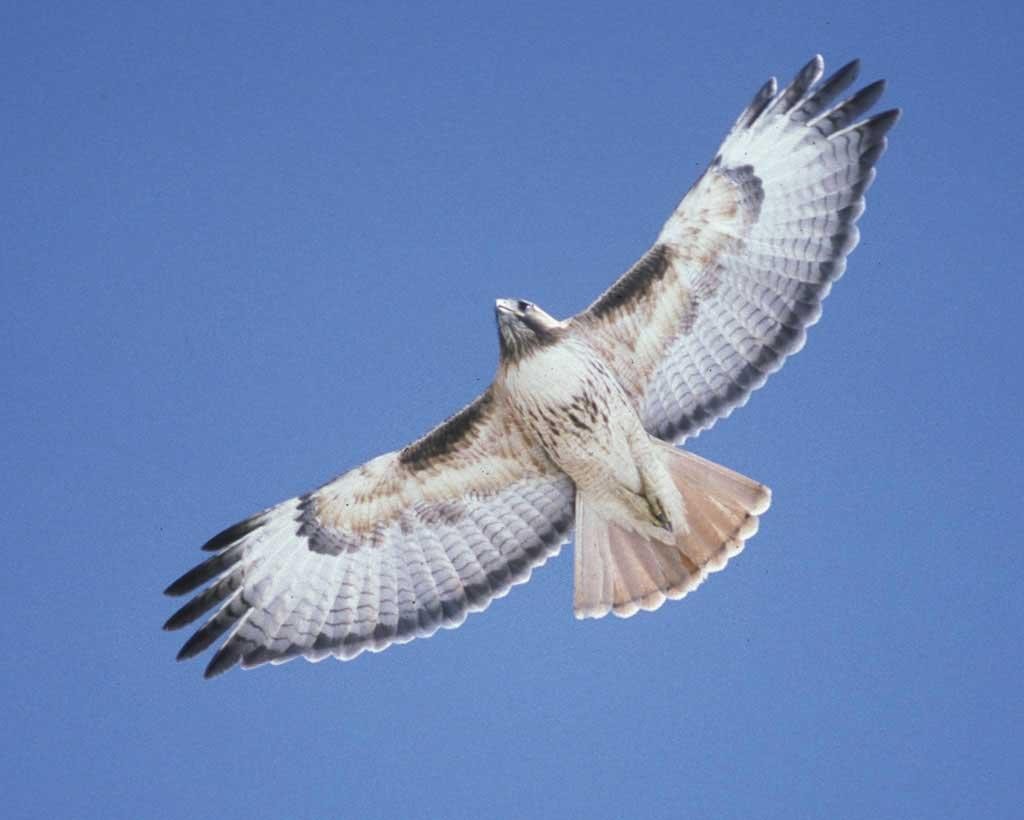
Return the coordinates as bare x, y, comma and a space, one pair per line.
524, 306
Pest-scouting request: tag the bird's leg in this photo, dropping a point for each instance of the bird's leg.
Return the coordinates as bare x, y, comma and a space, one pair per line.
657, 511
665, 507
646, 513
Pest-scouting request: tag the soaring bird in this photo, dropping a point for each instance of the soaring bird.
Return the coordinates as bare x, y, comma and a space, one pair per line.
579, 423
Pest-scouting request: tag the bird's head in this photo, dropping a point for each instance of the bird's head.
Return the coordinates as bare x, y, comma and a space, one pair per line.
524, 328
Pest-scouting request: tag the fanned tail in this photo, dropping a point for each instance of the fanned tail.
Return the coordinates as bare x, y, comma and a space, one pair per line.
620, 571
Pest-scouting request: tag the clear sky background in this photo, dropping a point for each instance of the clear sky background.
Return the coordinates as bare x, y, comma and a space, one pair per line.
247, 247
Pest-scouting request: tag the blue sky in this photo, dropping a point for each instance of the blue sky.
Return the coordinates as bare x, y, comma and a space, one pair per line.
247, 247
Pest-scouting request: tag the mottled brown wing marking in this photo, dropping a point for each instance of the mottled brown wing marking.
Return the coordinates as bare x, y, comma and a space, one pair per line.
636, 319
480, 449
636, 286
407, 543
320, 539
749, 195
747, 257
443, 439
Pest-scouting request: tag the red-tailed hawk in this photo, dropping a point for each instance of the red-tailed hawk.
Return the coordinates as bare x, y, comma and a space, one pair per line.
578, 423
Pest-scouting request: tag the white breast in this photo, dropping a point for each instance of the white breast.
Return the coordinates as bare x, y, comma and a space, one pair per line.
577, 410
553, 375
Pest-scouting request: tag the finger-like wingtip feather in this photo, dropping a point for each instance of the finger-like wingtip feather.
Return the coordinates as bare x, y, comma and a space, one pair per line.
204, 601
757, 105
210, 568
234, 533
225, 658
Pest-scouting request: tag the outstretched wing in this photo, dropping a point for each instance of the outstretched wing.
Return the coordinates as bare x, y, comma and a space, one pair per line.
390, 551
741, 267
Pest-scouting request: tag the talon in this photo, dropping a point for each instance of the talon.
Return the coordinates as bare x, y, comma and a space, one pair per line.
658, 514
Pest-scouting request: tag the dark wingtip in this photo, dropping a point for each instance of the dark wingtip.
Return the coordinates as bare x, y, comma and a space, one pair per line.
761, 99
887, 119
869, 94
203, 602
213, 629
210, 568
193, 646
214, 566
850, 70
181, 585
259, 655
813, 66
174, 622
227, 656
840, 80
843, 77
801, 83
234, 533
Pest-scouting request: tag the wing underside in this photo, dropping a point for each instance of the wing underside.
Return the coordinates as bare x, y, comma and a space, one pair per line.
739, 271
393, 550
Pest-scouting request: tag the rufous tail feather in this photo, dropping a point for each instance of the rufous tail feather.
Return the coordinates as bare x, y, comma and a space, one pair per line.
620, 571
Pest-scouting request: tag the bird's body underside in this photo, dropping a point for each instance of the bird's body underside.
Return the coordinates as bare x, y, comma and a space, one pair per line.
591, 431
579, 423
649, 522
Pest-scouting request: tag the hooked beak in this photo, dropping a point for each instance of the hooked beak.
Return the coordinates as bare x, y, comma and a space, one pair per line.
505, 306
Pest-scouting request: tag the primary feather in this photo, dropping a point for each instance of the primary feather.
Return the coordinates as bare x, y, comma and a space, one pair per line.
739, 271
